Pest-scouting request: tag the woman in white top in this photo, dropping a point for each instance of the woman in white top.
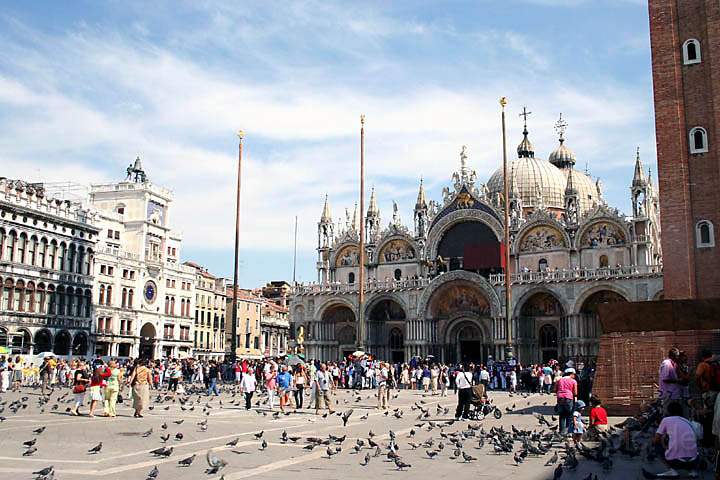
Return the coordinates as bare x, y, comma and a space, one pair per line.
248, 384
299, 380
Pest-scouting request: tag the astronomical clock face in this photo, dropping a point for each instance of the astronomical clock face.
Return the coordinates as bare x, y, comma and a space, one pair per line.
150, 292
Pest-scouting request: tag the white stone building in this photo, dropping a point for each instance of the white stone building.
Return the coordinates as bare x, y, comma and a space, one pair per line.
438, 288
144, 295
46, 255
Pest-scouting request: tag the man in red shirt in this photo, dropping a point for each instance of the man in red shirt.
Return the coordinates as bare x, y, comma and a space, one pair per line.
598, 416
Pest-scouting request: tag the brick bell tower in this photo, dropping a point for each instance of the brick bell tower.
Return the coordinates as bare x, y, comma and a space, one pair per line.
685, 41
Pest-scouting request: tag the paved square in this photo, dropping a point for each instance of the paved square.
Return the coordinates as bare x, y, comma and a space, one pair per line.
126, 453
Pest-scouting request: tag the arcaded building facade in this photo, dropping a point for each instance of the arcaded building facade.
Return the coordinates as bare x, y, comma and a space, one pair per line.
47, 249
437, 288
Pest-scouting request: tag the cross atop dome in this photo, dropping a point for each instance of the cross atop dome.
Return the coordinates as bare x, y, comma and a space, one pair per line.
560, 128
525, 149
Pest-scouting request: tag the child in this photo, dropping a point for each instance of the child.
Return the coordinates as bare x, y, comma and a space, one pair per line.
578, 426
598, 416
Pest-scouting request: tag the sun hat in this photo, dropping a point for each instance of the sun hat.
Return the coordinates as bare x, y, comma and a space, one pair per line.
569, 370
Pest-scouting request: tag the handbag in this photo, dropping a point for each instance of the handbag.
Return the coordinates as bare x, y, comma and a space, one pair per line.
120, 398
79, 388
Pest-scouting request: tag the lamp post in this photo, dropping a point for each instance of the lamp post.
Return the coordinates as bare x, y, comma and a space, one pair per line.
506, 196
233, 328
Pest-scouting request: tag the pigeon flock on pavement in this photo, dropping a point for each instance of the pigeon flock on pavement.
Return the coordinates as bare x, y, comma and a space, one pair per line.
430, 439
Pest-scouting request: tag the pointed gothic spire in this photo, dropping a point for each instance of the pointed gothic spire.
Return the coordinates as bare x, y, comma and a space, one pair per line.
373, 209
570, 186
421, 203
326, 216
356, 219
639, 176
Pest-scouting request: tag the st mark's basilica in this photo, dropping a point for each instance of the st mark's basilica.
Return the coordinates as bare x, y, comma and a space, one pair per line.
438, 288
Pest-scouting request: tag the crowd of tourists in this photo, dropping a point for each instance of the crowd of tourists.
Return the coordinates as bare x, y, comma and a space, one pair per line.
691, 415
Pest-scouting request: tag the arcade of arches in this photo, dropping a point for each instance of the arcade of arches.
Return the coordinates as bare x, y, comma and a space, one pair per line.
459, 327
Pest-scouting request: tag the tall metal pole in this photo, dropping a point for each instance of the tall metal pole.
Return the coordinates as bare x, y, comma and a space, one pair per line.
233, 341
361, 273
508, 283
295, 253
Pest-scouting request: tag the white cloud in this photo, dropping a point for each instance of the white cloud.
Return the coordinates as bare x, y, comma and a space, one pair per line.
80, 106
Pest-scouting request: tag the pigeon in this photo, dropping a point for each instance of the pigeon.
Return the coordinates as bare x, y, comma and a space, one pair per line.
346, 416
38, 431
186, 462
162, 452
153, 473
366, 460
165, 438
164, 426
467, 457
148, 433
259, 435
553, 460
45, 471
29, 451
263, 444
431, 453
214, 462
233, 443
30, 443
96, 448
179, 436
400, 464
178, 422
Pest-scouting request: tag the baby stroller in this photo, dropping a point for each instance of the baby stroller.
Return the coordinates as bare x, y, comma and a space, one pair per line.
481, 406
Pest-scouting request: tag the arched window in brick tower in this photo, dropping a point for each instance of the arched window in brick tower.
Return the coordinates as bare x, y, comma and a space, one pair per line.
698, 140
691, 52
705, 234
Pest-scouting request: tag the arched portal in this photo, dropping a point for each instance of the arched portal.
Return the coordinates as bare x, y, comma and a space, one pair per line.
43, 341
338, 323
62, 343
586, 325
4, 339
470, 246
383, 316
460, 312
147, 341
467, 338
540, 314
21, 342
396, 343
80, 344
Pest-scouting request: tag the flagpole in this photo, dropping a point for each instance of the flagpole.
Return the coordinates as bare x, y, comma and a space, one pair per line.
361, 246
233, 327
295, 253
508, 283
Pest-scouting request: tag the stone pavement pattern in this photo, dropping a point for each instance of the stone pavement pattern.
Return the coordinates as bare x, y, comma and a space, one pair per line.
125, 453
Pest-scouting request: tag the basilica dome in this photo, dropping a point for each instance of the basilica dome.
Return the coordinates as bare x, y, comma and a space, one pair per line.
530, 178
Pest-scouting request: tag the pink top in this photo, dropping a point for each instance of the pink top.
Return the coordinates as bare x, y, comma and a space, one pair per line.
566, 387
668, 371
682, 443
270, 381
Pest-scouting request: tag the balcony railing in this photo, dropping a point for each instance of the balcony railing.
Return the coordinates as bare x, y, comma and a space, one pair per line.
579, 274
371, 285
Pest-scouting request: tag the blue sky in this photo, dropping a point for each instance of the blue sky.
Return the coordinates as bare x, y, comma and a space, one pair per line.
86, 86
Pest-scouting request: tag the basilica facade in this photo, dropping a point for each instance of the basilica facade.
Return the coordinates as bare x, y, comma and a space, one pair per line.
437, 288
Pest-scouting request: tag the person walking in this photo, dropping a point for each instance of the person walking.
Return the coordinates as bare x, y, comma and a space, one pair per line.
97, 380
46, 371
270, 379
300, 381
284, 383
112, 389
566, 392
248, 384
80, 381
214, 377
382, 381
463, 381
322, 390
140, 380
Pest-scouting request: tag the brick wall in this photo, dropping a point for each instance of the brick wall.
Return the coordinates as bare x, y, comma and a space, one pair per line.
684, 98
